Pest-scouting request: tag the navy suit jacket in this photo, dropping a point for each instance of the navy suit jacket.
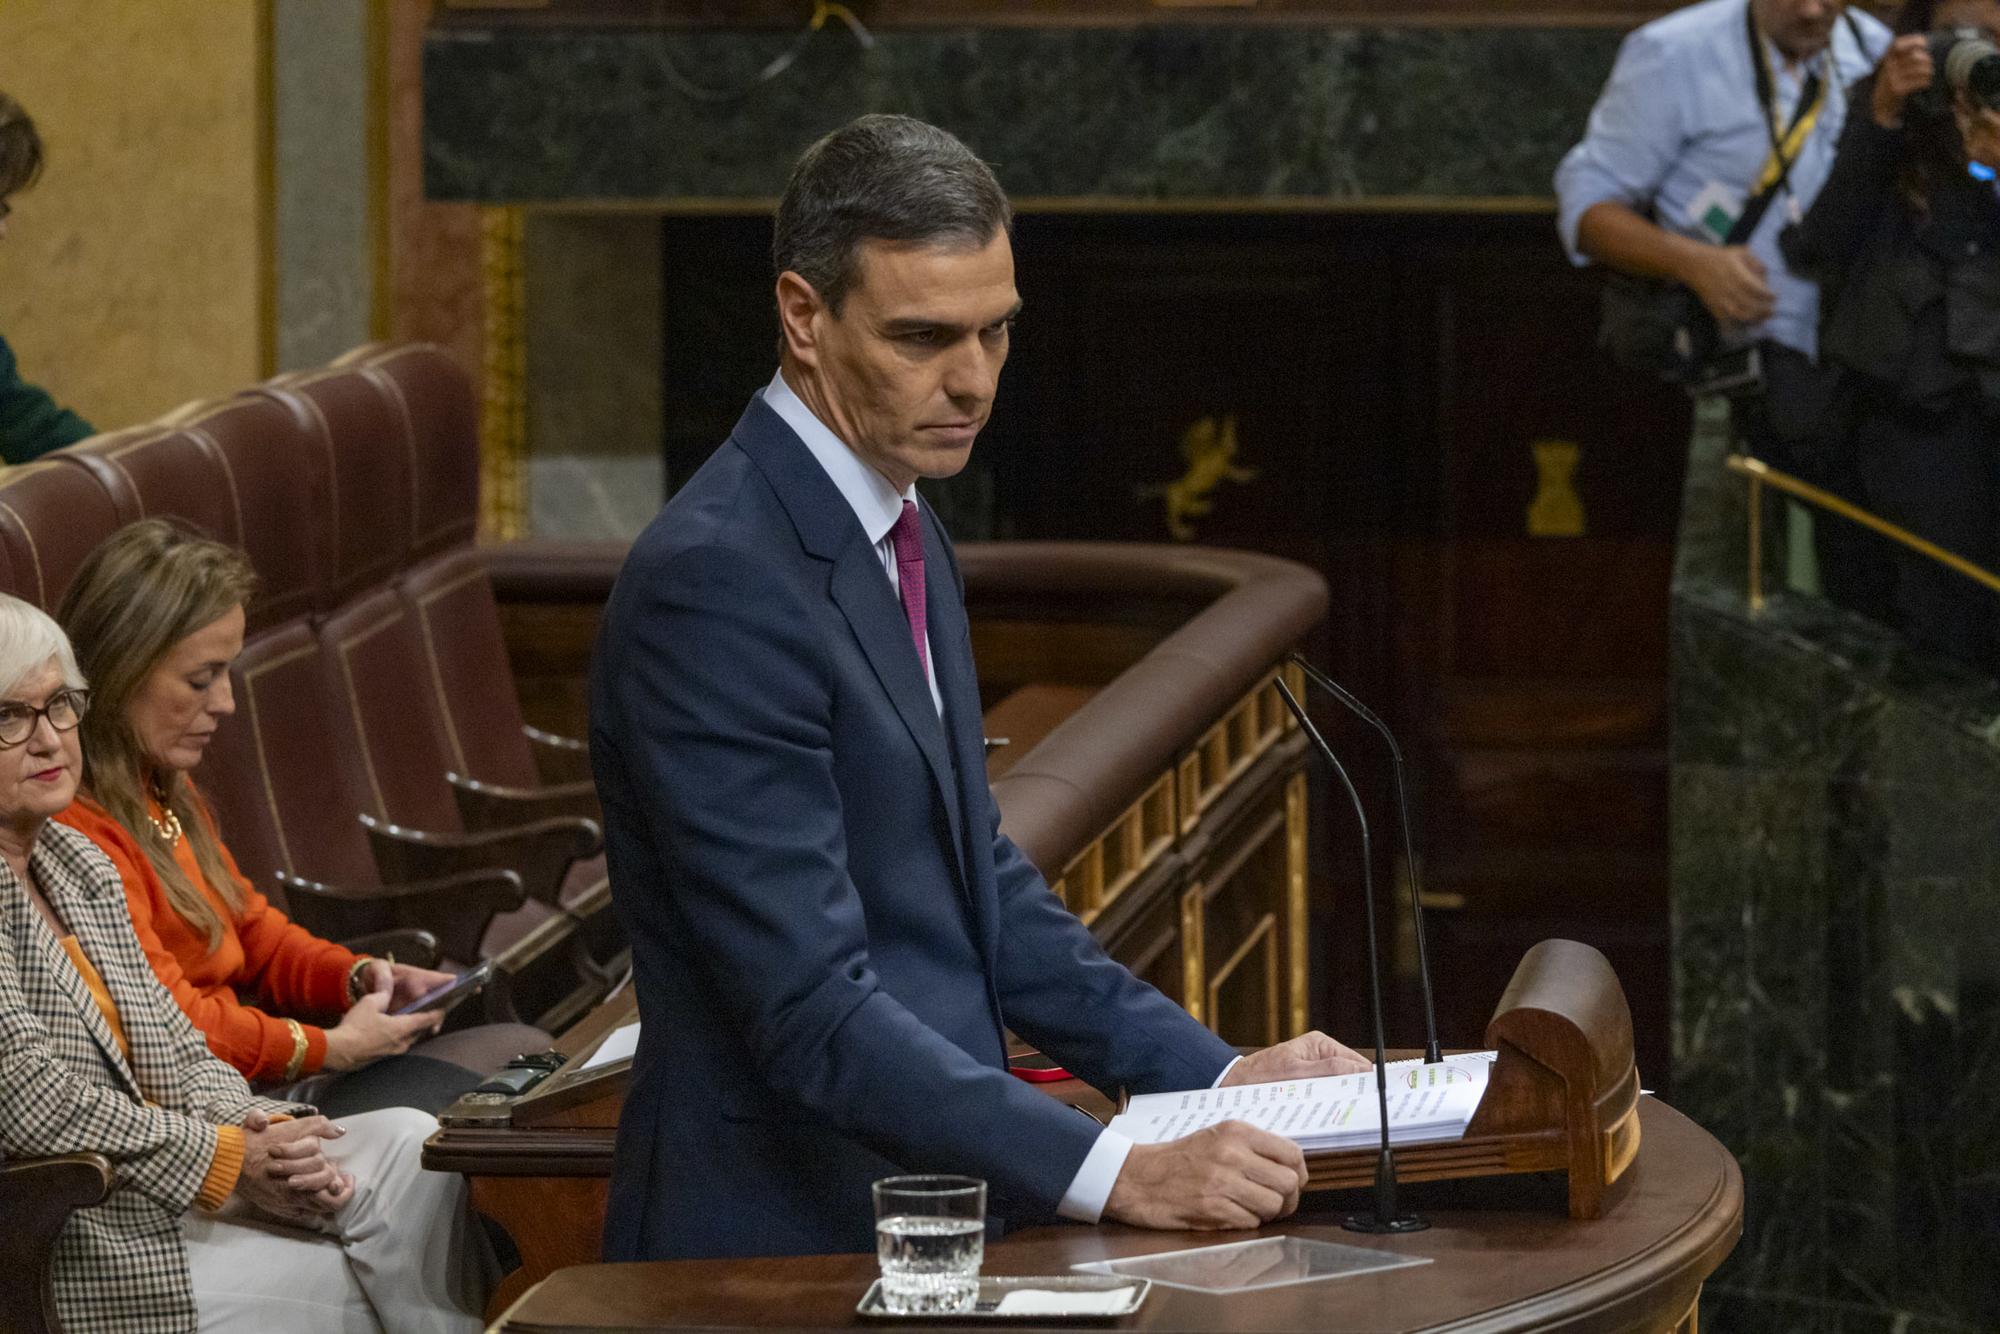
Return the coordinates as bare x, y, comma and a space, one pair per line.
829, 930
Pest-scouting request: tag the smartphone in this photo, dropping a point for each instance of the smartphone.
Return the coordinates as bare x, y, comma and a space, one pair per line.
466, 984
1037, 1069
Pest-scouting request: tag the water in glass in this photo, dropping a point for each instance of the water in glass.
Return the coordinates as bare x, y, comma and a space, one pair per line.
929, 1264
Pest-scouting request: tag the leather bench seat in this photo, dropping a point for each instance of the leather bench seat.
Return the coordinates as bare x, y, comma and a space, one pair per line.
374, 682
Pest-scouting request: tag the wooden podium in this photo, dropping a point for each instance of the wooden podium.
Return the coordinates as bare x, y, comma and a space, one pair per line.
1563, 1095
1503, 1260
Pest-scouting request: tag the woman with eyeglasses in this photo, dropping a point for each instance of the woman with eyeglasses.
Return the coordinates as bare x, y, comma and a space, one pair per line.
228, 1212
156, 615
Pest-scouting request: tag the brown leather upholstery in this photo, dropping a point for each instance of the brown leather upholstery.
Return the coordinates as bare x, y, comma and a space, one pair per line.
390, 444
51, 516
315, 477
432, 396
1085, 772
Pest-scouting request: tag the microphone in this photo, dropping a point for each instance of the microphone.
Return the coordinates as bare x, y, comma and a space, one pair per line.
1432, 1055
1386, 1218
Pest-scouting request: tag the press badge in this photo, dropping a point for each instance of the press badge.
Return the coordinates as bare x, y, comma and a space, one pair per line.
1714, 211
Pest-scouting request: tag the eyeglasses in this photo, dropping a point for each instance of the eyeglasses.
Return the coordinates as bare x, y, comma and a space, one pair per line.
64, 711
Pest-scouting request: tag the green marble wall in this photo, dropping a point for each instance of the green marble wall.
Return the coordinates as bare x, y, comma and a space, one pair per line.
1837, 953
1172, 112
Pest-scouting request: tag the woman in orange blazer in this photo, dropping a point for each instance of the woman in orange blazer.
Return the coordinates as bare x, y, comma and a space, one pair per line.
156, 617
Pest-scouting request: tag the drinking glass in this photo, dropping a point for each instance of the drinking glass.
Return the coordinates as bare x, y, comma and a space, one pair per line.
930, 1235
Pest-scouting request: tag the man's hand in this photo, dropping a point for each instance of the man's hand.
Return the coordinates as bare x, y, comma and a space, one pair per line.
285, 1171
1227, 1176
1730, 282
1906, 69
1308, 1056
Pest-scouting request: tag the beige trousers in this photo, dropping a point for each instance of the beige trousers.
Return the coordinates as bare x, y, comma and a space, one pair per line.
404, 1257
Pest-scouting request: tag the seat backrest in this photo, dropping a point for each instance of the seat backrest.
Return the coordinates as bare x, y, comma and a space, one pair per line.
283, 795
358, 457
466, 668
52, 515
445, 585
432, 396
230, 469
382, 717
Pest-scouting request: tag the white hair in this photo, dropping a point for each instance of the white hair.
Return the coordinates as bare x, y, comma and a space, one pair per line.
30, 640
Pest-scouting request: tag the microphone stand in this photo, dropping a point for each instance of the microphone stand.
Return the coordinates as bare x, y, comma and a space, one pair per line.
1386, 1217
1432, 1053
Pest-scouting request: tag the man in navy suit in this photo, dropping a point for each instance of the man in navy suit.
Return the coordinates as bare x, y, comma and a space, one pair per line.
830, 933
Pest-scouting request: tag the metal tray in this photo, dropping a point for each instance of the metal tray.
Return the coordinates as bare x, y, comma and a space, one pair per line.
985, 1306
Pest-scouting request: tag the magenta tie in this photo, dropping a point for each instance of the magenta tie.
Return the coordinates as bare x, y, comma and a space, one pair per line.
909, 541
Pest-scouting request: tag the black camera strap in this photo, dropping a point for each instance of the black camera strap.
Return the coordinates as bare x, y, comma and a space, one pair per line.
1811, 97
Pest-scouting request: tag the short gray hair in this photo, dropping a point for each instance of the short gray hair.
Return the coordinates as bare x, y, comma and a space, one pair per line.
882, 178
29, 640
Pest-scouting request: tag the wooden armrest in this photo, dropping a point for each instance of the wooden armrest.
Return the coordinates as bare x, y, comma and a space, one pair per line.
539, 852
456, 909
37, 1196
485, 807
558, 759
411, 946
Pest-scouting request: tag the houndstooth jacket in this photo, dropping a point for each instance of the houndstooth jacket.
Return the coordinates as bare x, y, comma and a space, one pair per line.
65, 1087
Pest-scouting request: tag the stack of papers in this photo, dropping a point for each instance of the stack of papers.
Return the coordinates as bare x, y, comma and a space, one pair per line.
1428, 1104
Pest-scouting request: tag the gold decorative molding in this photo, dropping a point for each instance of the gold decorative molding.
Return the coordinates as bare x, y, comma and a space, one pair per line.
1263, 938
1231, 746
1556, 510
1296, 903
503, 422
1194, 966
1116, 858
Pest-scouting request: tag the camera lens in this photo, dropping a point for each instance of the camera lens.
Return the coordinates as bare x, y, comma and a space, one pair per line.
1973, 68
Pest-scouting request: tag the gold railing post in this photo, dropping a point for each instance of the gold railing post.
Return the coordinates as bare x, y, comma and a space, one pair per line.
1760, 474
1756, 581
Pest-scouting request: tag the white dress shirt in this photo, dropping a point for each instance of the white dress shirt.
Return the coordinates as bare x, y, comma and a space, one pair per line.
875, 503
878, 505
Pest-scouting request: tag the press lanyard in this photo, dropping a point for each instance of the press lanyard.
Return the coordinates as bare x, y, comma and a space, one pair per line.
1786, 143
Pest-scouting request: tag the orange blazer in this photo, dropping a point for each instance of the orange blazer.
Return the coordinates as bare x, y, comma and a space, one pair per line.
265, 968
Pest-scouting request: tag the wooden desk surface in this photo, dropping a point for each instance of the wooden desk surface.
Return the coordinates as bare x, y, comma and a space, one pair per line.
1507, 1258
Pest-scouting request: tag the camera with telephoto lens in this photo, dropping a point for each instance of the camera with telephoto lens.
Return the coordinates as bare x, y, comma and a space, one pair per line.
1968, 64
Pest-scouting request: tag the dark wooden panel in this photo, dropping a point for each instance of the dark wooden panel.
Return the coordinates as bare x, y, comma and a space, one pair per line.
549, 646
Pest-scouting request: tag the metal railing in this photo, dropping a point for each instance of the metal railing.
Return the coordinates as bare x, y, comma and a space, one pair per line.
1761, 474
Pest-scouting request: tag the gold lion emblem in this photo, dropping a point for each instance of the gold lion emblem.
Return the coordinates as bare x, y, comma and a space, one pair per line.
1209, 446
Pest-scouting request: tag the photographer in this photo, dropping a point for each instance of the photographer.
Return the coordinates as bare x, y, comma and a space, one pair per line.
1905, 240
1715, 130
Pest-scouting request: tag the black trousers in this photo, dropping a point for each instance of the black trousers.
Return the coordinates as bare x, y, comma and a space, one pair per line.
1803, 424
1938, 475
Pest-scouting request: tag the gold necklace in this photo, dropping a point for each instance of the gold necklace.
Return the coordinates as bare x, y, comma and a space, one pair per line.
169, 829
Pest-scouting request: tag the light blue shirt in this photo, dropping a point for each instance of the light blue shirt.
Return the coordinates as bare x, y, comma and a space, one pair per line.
1678, 121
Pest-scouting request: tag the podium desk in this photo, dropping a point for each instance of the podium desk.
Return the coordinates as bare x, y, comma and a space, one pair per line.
1506, 1257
